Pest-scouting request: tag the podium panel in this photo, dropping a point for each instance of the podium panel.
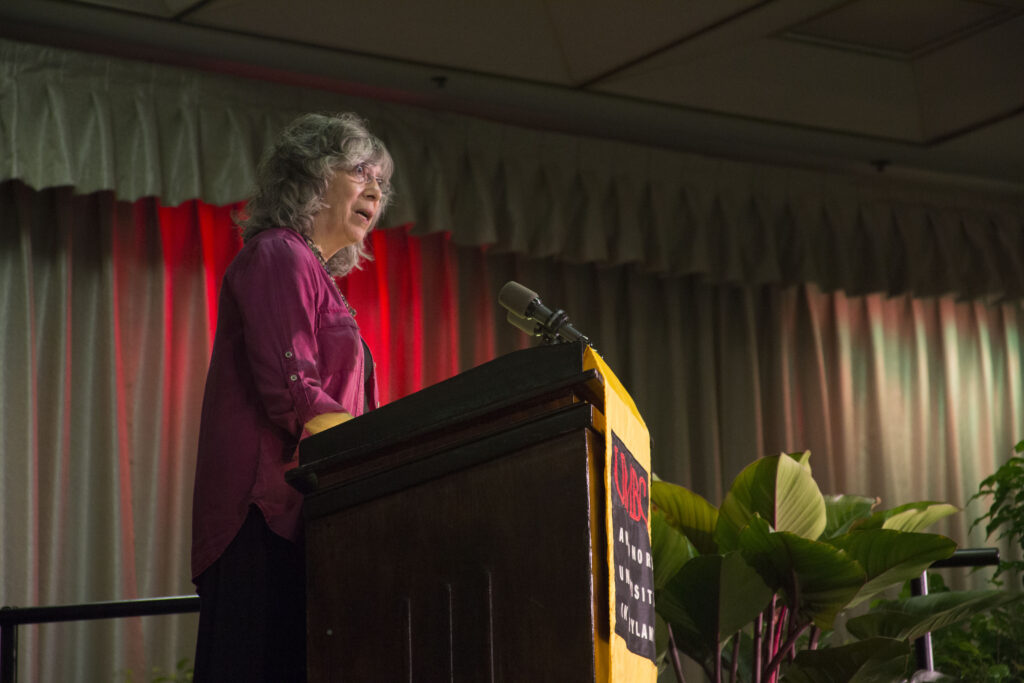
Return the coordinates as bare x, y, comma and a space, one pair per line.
467, 542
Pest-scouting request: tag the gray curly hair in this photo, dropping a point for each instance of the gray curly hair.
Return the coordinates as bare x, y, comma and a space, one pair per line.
292, 178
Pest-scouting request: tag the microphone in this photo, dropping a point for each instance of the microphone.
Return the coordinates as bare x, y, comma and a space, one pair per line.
526, 312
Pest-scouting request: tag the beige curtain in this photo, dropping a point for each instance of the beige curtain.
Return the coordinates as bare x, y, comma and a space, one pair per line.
144, 130
749, 310
106, 308
907, 398
101, 370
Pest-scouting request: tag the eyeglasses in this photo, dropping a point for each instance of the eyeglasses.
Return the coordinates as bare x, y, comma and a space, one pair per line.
363, 174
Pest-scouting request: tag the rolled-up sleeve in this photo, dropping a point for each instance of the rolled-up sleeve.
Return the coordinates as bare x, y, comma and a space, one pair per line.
279, 291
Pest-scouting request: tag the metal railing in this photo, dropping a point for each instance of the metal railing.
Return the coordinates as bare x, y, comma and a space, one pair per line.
12, 617
968, 557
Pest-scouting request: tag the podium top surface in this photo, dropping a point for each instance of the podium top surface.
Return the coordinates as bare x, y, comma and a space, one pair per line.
504, 382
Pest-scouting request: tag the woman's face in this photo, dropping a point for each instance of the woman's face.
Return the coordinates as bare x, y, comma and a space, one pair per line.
352, 201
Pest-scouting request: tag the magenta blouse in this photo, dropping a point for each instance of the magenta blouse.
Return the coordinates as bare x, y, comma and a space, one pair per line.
286, 350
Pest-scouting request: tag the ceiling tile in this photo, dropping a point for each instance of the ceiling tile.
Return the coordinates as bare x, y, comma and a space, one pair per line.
791, 82
600, 35
153, 8
972, 82
903, 28
491, 36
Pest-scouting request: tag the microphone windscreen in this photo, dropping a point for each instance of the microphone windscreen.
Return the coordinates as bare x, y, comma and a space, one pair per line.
528, 326
516, 298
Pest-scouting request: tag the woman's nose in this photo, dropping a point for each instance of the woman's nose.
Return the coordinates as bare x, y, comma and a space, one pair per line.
372, 189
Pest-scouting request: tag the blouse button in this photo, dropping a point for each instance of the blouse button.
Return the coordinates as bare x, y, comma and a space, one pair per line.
288, 354
293, 377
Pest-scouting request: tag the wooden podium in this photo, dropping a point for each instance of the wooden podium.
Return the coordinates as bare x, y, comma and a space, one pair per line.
458, 534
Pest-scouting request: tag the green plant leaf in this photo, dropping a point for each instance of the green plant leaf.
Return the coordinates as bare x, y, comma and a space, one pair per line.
662, 658
804, 458
1003, 494
877, 659
913, 617
669, 605
909, 517
712, 597
842, 511
816, 579
891, 557
780, 490
691, 643
688, 513
670, 549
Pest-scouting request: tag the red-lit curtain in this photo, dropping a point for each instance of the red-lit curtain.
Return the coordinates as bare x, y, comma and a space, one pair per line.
109, 311
408, 286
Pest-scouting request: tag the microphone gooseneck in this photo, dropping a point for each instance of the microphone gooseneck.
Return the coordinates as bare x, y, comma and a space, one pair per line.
528, 313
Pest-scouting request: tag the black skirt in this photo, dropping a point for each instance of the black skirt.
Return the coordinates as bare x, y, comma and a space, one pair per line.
252, 610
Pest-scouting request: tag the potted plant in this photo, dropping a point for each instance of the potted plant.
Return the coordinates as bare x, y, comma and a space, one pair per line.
990, 646
748, 589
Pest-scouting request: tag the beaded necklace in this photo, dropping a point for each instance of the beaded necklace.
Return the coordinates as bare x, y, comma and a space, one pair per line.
323, 262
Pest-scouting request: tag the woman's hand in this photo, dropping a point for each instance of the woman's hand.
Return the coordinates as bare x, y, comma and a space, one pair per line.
326, 421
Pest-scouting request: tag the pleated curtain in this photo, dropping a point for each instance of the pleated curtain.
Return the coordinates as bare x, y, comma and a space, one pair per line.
749, 309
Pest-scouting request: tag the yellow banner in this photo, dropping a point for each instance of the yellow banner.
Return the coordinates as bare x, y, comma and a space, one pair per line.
627, 521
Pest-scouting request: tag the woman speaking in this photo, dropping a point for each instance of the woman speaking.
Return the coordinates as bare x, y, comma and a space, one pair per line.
287, 360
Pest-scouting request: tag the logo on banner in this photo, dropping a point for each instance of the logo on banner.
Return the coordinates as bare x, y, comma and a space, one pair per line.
634, 567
